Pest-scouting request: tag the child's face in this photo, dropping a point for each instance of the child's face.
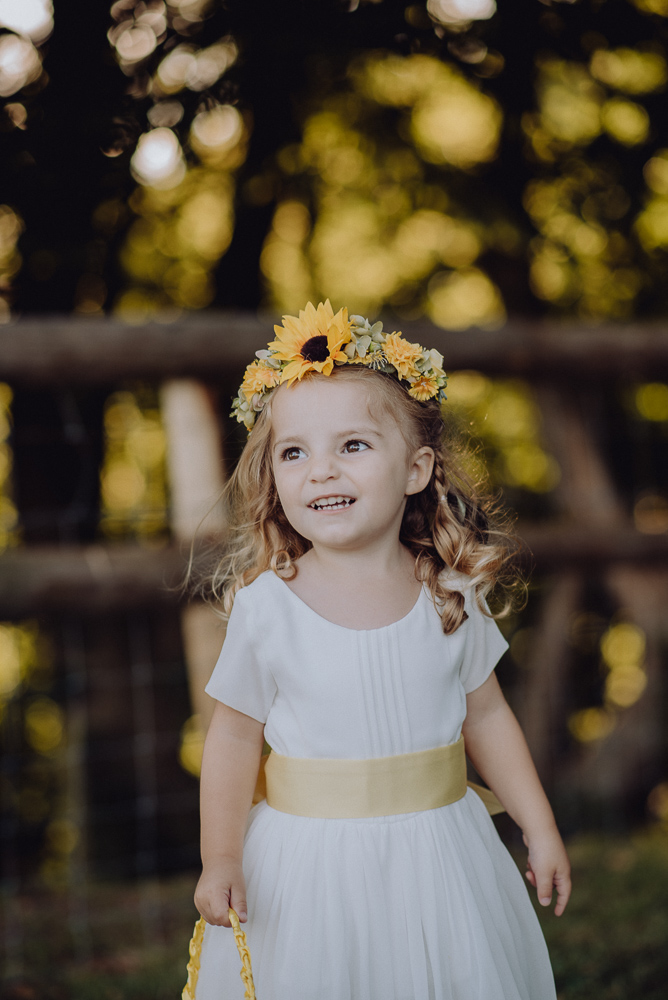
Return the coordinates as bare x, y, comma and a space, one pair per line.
342, 473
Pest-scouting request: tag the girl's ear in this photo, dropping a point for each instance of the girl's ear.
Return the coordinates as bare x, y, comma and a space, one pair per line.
420, 471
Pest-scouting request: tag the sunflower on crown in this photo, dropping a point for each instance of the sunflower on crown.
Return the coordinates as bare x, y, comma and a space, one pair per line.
317, 340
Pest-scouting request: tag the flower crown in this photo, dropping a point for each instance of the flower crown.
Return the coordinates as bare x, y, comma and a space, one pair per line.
317, 340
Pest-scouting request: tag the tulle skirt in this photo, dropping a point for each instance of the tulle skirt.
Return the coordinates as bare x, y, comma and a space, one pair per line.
425, 906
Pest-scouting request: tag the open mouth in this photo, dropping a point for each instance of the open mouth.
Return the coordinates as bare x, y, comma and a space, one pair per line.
332, 503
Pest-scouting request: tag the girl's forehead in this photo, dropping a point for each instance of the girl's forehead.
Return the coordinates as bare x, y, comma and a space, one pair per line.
304, 401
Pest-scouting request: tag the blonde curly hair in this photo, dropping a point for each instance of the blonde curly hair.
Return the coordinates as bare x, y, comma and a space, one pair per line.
449, 526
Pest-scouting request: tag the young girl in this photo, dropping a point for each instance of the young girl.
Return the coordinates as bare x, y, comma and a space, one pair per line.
359, 645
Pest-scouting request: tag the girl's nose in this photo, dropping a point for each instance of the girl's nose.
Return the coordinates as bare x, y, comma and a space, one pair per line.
322, 467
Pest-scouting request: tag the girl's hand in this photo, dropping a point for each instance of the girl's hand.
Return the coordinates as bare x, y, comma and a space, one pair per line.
548, 868
221, 885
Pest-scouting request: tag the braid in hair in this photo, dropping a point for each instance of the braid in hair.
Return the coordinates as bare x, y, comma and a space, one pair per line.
448, 527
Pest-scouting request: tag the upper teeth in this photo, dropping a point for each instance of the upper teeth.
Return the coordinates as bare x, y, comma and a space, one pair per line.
331, 502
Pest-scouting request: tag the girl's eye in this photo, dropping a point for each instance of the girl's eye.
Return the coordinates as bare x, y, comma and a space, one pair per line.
353, 446
290, 454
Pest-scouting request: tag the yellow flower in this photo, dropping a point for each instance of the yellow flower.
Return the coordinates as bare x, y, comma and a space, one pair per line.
402, 355
312, 341
425, 387
258, 377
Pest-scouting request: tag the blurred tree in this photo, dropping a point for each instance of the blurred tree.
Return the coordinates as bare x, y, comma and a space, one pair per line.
272, 126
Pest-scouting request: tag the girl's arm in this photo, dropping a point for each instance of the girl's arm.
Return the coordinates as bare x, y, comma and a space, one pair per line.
230, 764
497, 749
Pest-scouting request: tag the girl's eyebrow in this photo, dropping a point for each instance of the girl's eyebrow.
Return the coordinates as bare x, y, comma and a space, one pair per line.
365, 432
288, 440
355, 433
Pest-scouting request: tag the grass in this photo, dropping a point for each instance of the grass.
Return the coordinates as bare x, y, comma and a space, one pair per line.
611, 943
132, 942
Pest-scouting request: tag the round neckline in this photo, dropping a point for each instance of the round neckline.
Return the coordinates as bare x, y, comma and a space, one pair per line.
346, 628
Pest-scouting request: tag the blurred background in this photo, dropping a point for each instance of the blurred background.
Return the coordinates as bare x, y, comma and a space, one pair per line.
174, 176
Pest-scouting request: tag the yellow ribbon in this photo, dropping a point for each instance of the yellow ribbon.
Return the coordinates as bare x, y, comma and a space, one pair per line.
379, 786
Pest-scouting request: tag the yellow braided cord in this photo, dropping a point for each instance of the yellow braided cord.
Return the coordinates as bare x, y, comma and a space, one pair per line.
195, 951
244, 955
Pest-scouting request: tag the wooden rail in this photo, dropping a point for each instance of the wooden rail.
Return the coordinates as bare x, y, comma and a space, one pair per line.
95, 578
210, 345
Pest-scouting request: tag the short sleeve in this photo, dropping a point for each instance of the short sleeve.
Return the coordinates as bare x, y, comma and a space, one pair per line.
240, 678
483, 647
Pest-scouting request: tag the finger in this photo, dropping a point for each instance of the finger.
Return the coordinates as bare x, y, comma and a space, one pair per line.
543, 885
563, 887
218, 917
238, 902
530, 877
215, 910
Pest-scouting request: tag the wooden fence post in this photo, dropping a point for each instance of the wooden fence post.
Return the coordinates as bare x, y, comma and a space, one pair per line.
197, 477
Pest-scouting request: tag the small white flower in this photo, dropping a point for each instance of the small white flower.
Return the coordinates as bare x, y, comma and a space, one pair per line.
363, 345
436, 360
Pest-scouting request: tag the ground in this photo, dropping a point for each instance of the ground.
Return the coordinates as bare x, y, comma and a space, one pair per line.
120, 941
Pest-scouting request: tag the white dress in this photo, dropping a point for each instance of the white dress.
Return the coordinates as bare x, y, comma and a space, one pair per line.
422, 906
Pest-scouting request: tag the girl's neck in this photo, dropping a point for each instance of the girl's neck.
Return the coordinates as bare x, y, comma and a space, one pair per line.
375, 563
358, 590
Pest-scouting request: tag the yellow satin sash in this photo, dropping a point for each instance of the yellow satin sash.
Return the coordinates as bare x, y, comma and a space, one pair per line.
380, 786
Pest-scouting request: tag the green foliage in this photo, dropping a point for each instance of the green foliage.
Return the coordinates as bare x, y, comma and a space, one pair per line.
609, 945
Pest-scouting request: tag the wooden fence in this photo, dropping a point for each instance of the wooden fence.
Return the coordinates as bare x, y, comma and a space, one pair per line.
592, 535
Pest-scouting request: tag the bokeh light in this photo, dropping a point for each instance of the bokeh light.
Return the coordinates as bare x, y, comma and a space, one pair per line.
186, 66
657, 801
569, 102
651, 401
591, 725
184, 206
378, 230
174, 68
580, 259
20, 64
172, 247
659, 7
11, 227
185, 216
20, 658
44, 725
584, 260
32, 18
138, 30
460, 12
623, 652
9, 527
652, 222
629, 70
503, 414
216, 136
452, 121
191, 746
622, 647
650, 513
133, 474
158, 159
165, 113
625, 121
464, 298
